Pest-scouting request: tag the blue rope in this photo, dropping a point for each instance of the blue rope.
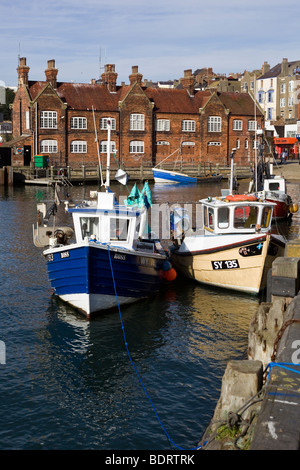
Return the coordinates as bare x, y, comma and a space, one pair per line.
283, 365
126, 345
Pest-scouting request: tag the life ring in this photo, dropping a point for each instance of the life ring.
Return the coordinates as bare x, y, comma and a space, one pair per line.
240, 197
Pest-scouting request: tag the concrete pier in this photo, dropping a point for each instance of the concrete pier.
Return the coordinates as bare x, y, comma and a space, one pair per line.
259, 405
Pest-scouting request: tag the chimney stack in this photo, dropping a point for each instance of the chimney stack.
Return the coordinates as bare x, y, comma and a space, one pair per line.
284, 67
265, 68
51, 73
135, 75
187, 82
109, 77
23, 71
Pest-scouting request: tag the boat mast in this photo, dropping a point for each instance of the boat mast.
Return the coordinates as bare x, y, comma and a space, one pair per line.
107, 183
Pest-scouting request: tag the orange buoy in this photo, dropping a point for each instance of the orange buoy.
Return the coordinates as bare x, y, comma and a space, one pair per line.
293, 208
170, 275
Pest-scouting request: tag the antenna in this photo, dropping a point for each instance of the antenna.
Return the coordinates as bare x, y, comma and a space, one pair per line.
19, 55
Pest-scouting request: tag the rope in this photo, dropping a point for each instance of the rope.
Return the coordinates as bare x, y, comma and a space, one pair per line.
283, 365
132, 363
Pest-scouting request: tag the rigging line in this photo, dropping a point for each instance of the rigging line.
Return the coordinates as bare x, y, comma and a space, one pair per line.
138, 375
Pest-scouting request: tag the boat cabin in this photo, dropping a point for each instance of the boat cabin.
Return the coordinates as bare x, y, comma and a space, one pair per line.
223, 217
276, 184
104, 221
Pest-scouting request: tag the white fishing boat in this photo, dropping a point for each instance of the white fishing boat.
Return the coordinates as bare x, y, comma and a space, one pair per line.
114, 260
235, 248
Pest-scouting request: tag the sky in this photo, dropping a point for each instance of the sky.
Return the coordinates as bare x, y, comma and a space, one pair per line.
162, 37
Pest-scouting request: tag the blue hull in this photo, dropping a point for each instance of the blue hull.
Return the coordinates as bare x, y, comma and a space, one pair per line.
87, 270
172, 177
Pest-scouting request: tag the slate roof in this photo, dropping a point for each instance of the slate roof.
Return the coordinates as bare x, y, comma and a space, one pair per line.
80, 96
239, 103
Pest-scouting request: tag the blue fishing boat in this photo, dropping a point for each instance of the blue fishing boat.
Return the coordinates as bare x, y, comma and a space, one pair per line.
113, 260
168, 176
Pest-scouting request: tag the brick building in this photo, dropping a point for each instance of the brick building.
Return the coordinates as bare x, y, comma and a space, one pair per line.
62, 120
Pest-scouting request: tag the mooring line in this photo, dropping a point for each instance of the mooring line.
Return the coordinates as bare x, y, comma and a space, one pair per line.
138, 375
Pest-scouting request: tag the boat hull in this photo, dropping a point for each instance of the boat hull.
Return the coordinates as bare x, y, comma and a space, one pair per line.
281, 210
165, 176
241, 265
92, 277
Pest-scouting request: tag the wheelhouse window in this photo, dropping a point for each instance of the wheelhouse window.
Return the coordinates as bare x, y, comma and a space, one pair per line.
103, 146
48, 120
78, 146
188, 125
245, 217
137, 122
223, 217
209, 218
78, 123
89, 226
237, 125
214, 124
48, 146
119, 229
103, 123
162, 125
136, 146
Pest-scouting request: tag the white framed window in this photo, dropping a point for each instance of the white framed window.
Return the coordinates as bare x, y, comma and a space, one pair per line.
270, 96
48, 120
103, 123
290, 101
291, 85
282, 102
282, 88
136, 146
214, 124
78, 146
188, 144
78, 123
162, 125
188, 125
269, 114
255, 144
103, 146
216, 144
137, 122
251, 125
246, 144
48, 146
237, 125
162, 142
237, 143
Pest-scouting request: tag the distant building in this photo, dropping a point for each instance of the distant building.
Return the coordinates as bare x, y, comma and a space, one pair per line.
58, 119
278, 95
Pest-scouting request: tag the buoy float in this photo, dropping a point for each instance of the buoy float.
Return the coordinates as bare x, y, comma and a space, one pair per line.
293, 208
170, 275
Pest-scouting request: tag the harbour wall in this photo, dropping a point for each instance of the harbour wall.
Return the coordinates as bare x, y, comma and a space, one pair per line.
85, 174
259, 404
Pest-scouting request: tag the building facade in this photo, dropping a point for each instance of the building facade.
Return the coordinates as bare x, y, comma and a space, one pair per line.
67, 122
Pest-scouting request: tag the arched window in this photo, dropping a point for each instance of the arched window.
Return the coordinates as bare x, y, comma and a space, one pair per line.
136, 146
103, 146
48, 146
78, 146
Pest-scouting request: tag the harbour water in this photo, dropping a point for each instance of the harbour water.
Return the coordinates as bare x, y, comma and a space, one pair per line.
66, 383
